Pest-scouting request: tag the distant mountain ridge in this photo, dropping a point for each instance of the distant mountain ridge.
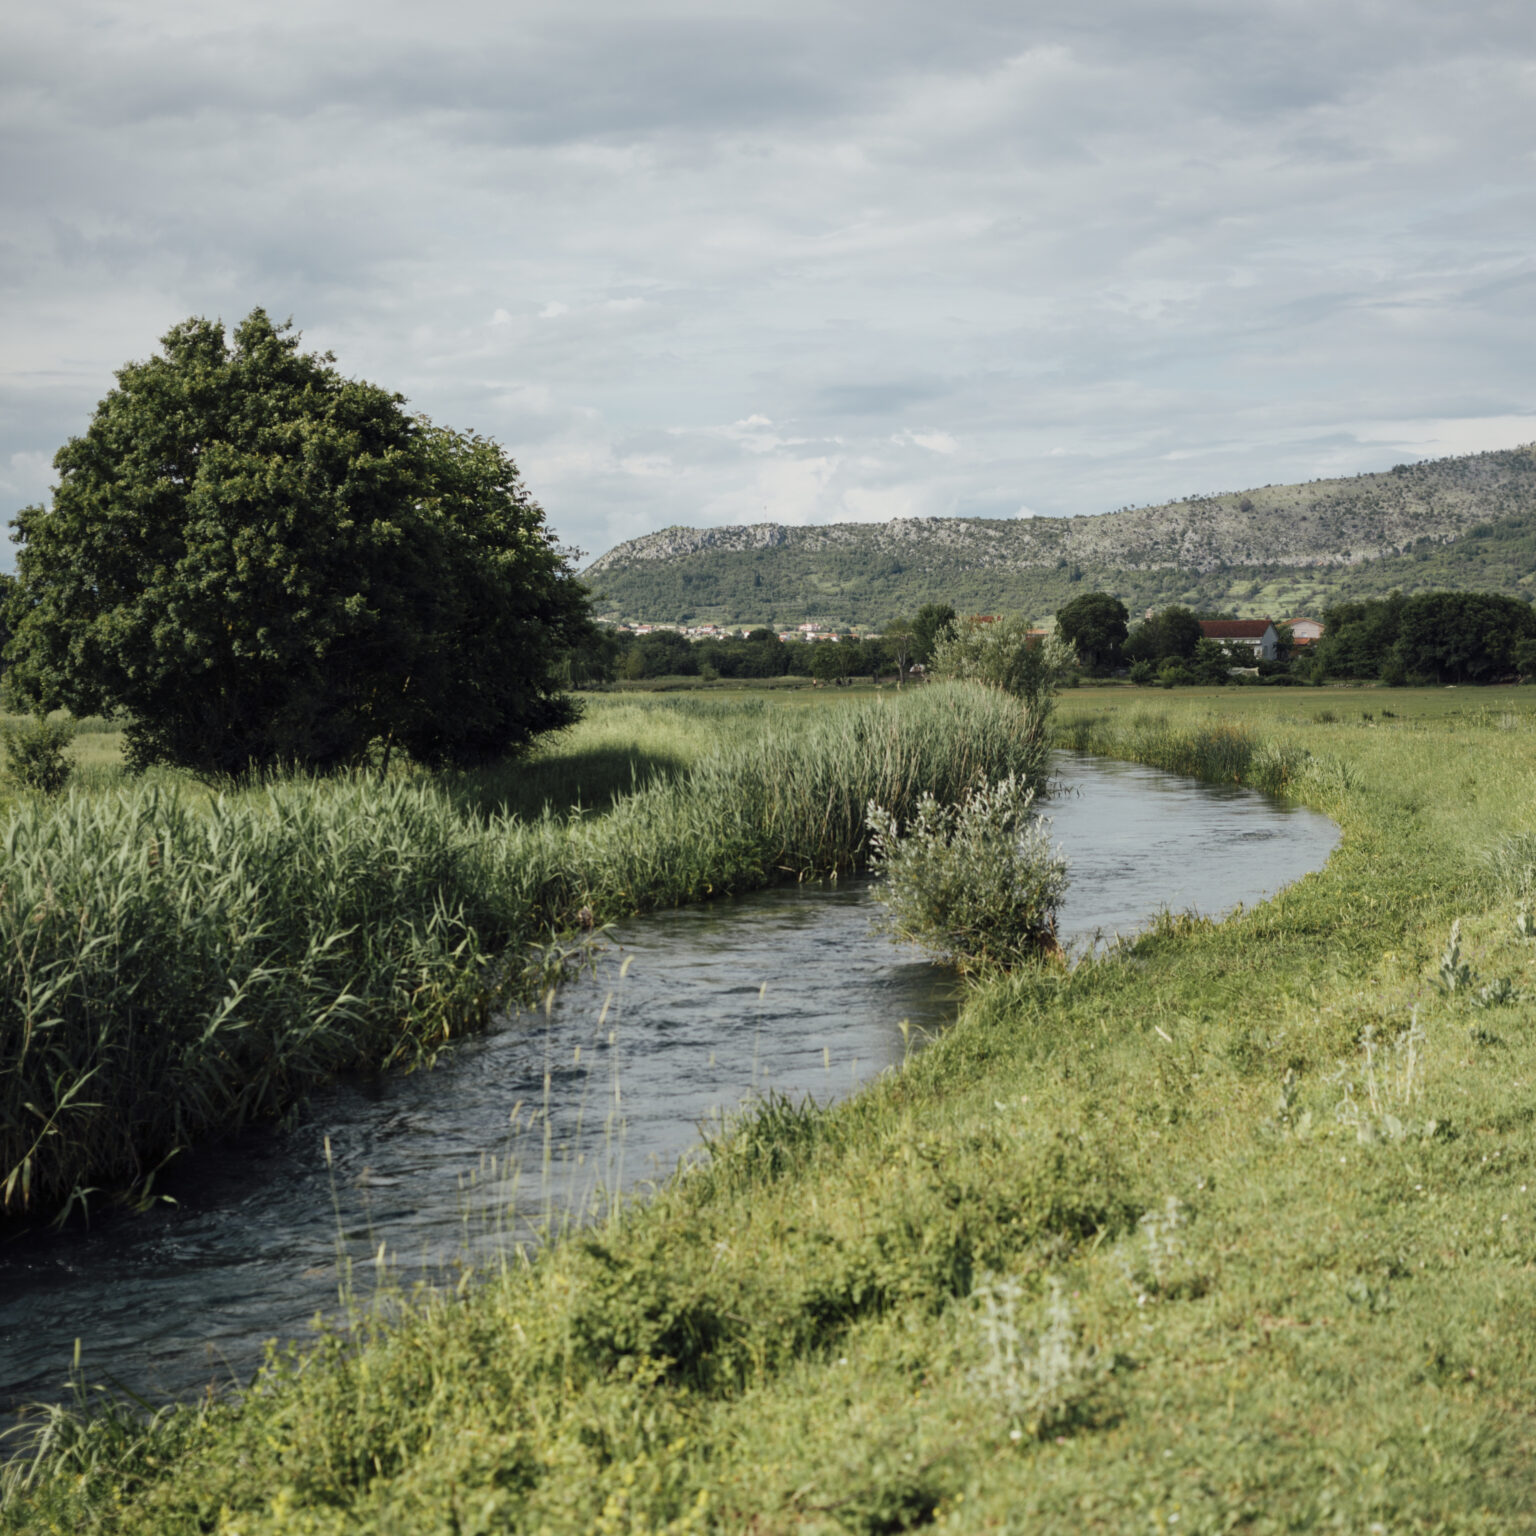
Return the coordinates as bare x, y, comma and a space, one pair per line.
1317, 538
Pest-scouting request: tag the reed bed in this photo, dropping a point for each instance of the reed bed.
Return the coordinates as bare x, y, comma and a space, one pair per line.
170, 967
1218, 751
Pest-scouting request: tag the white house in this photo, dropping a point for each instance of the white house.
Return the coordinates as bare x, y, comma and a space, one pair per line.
1257, 634
1306, 631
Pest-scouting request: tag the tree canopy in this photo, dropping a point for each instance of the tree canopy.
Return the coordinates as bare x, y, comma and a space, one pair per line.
932, 623
1441, 637
263, 562
1095, 626
1171, 635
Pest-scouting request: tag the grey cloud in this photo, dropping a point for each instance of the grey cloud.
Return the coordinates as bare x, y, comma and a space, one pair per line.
890, 399
1113, 251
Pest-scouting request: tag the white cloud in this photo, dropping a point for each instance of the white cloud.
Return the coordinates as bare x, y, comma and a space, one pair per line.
934, 442
975, 258
1443, 438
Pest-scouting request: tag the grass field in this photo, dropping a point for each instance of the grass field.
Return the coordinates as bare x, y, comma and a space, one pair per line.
1234, 1229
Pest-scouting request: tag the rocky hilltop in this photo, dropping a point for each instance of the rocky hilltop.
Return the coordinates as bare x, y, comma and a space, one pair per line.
1208, 544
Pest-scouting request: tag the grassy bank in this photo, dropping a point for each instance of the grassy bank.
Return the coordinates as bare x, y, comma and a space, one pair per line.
1232, 1231
172, 965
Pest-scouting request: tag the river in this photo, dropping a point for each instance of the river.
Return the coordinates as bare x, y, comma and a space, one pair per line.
685, 1015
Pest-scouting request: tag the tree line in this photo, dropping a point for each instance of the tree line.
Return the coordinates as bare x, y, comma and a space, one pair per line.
612, 655
1423, 639
1430, 637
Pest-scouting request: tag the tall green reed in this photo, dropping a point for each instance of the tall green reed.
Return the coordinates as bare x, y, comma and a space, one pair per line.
1218, 751
170, 969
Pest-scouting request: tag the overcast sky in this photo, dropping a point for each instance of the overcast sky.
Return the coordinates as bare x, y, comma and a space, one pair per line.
712, 263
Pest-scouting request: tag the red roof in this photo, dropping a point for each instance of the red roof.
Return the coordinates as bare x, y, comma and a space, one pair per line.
1234, 629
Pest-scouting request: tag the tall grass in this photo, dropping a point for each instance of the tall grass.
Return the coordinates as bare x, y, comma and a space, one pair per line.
169, 968
1218, 751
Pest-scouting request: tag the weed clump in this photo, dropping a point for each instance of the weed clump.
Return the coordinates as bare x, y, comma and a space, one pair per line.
977, 883
1042, 1383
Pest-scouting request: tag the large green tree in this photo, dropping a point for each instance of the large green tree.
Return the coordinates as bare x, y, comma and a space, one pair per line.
1171, 635
1462, 637
263, 562
1359, 637
1095, 625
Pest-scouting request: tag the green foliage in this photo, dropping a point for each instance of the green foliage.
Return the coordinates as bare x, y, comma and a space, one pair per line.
1359, 637
36, 754
934, 622
1003, 653
1095, 625
1305, 1329
1172, 635
496, 609
977, 882
828, 662
1212, 662
1220, 752
1462, 637
1444, 637
663, 653
760, 654
168, 969
265, 563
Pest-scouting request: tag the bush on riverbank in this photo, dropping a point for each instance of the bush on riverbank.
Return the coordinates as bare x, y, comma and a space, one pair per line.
171, 969
976, 882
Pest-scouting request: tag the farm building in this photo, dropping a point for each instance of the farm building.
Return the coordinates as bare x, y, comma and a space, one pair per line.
1257, 634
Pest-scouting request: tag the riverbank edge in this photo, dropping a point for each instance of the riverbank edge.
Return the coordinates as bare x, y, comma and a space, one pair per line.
173, 973
762, 1340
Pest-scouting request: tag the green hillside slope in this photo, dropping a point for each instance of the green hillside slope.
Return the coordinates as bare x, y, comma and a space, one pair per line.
1461, 522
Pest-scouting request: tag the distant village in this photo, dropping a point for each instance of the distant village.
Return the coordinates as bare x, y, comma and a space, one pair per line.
812, 629
1260, 635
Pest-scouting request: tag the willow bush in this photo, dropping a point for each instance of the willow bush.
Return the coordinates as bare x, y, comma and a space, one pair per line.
169, 969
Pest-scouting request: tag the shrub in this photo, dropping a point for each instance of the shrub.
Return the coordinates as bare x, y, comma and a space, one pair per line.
977, 882
34, 754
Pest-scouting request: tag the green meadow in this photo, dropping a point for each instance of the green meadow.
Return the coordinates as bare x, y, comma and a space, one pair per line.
1229, 1228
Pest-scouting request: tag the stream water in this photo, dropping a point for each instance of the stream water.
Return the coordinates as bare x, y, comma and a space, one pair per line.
685, 1016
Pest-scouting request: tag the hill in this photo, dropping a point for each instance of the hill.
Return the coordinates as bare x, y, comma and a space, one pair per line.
1456, 522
